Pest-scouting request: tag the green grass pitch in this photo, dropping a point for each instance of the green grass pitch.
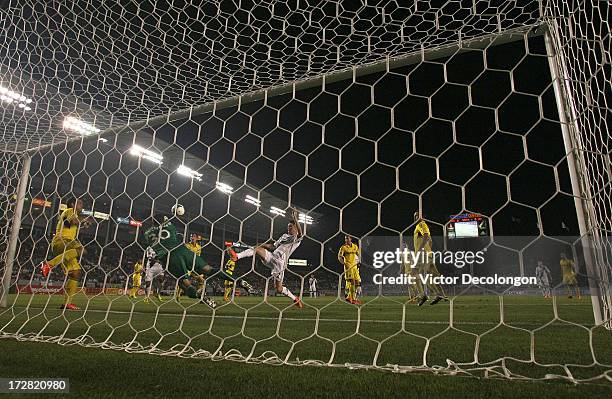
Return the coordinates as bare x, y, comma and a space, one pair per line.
384, 331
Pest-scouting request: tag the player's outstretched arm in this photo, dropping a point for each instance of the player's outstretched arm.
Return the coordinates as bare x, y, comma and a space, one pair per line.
294, 215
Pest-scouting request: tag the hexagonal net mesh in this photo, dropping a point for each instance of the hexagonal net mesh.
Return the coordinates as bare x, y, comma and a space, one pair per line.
151, 168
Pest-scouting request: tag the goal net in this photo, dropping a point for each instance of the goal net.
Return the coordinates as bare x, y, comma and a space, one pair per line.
153, 158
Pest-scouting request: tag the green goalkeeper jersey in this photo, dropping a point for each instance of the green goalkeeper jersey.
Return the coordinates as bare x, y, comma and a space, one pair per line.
162, 238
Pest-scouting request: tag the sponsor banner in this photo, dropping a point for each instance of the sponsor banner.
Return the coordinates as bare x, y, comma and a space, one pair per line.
59, 289
41, 202
40, 289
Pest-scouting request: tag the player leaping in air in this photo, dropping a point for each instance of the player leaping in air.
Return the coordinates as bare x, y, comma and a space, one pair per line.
277, 255
179, 260
66, 249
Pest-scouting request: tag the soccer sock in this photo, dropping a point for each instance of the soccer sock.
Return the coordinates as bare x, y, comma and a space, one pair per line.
247, 253
347, 289
71, 288
228, 292
358, 290
288, 293
64, 257
352, 292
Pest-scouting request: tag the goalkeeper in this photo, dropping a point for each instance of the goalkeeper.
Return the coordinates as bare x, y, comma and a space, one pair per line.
178, 258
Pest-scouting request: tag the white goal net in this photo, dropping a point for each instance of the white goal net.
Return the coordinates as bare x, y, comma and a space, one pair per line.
482, 125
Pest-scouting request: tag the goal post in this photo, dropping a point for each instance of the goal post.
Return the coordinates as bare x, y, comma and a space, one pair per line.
598, 283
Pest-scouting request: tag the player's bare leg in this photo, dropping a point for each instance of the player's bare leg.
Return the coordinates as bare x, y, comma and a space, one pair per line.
285, 291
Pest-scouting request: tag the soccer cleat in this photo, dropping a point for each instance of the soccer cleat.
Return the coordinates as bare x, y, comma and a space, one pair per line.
298, 302
247, 286
146, 299
45, 268
349, 300
357, 302
210, 302
423, 300
159, 298
437, 299
69, 306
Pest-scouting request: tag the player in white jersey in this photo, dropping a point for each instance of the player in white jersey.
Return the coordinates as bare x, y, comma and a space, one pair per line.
543, 276
276, 256
312, 285
154, 273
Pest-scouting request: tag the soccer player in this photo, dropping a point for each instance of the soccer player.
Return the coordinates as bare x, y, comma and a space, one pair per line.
154, 275
228, 284
569, 276
425, 265
277, 255
415, 291
180, 260
312, 285
543, 276
66, 249
136, 279
348, 255
194, 246
230, 280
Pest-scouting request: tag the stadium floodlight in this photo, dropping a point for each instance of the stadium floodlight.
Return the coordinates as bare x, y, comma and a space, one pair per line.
252, 200
277, 211
12, 97
224, 188
79, 126
303, 218
146, 154
187, 171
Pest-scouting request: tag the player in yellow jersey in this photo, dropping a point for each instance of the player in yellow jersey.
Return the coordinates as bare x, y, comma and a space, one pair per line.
136, 279
66, 249
569, 276
424, 263
228, 284
194, 246
348, 255
415, 291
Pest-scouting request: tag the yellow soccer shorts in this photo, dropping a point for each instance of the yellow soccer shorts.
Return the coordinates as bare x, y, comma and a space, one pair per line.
352, 273
60, 247
570, 279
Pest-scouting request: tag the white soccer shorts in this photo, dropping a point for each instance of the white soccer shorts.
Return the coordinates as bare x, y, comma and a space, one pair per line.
153, 271
277, 264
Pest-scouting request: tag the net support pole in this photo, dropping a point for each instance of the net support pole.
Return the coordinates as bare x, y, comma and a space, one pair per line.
15, 226
571, 149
